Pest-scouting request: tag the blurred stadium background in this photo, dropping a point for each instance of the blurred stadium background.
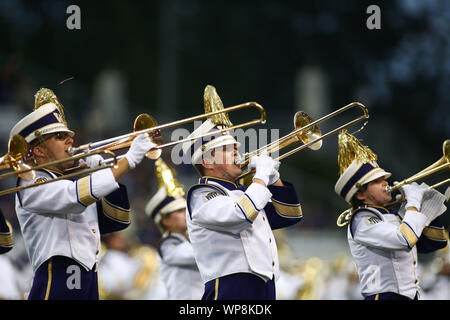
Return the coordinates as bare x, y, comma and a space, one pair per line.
156, 57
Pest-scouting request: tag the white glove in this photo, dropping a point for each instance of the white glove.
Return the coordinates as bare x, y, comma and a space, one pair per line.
414, 194
139, 147
264, 166
275, 174
432, 205
92, 161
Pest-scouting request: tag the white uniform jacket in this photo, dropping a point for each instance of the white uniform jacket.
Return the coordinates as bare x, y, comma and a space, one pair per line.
178, 268
385, 248
66, 217
230, 226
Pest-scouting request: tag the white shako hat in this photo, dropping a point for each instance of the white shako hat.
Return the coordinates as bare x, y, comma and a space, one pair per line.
196, 148
169, 197
357, 165
47, 117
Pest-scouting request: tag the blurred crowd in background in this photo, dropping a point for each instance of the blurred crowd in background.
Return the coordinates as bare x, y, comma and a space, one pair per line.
156, 57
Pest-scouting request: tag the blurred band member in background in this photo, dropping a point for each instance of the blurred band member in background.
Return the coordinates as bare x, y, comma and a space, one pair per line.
176, 256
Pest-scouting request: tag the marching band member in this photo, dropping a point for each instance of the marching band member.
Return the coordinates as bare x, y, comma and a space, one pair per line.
61, 221
230, 226
128, 270
6, 240
383, 242
176, 256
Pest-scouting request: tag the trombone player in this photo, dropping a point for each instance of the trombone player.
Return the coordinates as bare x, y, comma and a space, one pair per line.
229, 225
61, 221
385, 242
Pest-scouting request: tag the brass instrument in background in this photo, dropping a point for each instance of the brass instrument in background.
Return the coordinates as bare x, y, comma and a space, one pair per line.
306, 132
442, 165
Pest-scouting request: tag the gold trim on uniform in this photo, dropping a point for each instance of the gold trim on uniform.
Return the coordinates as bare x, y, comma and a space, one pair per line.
216, 289
84, 191
434, 233
288, 210
409, 235
49, 282
248, 207
117, 213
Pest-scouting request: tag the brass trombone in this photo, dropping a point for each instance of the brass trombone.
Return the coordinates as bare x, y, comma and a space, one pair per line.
15, 160
144, 123
442, 165
306, 132
439, 166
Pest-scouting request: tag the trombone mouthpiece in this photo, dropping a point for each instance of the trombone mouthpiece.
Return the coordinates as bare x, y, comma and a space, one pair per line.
72, 150
388, 189
240, 161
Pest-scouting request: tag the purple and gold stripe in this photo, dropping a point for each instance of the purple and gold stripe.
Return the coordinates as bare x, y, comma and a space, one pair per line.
365, 169
42, 122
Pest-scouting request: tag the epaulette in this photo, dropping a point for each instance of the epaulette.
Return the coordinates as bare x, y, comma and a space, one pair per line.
374, 210
215, 190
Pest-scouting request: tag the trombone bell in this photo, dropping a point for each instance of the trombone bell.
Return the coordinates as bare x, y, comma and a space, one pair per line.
17, 150
441, 165
145, 121
302, 119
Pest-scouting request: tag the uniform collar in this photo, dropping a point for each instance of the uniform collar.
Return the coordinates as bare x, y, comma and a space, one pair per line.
224, 183
50, 172
381, 210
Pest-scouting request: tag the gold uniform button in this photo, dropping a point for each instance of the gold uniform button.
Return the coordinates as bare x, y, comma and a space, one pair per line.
273, 263
93, 231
